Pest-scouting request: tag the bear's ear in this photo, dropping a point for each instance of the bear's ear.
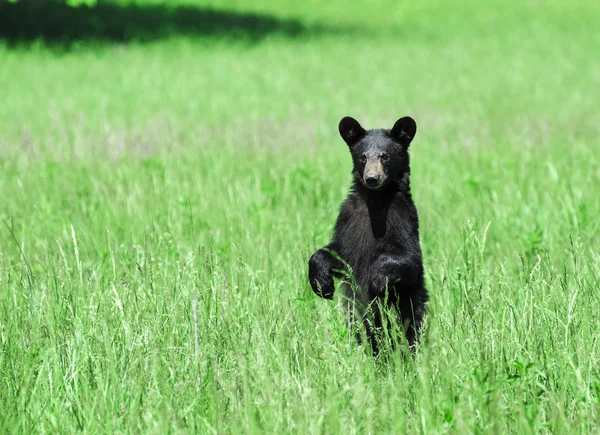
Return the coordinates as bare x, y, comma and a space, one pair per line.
350, 130
404, 130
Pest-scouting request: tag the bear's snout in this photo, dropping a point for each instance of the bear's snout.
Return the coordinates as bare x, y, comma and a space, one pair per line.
372, 180
374, 175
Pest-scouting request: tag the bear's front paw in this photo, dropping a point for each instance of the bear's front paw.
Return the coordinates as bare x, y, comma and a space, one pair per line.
323, 286
319, 276
378, 285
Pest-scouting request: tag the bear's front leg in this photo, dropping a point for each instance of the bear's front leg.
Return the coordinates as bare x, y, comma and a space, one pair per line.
388, 271
320, 273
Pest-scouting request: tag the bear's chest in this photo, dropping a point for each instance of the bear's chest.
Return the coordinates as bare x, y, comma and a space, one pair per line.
366, 233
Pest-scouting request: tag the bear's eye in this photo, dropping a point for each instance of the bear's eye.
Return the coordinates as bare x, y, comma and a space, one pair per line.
385, 157
363, 158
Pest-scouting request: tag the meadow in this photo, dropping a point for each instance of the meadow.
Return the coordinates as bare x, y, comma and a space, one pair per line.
161, 193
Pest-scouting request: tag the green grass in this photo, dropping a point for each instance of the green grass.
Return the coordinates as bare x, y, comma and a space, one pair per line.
138, 179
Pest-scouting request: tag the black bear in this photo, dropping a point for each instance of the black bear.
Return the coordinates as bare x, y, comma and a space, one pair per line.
376, 233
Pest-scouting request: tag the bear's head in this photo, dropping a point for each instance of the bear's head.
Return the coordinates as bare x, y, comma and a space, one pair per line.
380, 156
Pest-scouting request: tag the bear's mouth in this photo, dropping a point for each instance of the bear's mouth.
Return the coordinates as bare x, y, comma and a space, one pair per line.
373, 182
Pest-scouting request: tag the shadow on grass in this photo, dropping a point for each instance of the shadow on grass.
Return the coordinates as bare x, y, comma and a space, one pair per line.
55, 23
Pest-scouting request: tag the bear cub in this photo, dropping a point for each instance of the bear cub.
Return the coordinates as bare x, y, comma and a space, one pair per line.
376, 234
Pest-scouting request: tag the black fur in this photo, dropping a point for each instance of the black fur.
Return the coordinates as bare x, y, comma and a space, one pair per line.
377, 234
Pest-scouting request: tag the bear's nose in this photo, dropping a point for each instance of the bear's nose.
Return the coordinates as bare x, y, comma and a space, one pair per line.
372, 180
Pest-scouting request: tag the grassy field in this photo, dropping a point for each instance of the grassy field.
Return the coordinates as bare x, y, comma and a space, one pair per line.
160, 199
